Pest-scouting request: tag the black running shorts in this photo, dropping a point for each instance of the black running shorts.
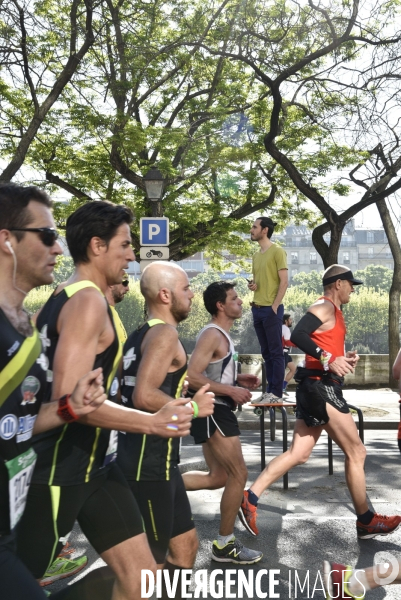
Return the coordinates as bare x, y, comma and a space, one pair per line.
287, 358
312, 396
105, 509
222, 419
165, 508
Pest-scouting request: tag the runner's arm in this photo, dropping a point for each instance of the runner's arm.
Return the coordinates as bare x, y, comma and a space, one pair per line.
87, 396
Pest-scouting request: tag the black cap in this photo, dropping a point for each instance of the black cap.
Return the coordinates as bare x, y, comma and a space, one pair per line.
347, 275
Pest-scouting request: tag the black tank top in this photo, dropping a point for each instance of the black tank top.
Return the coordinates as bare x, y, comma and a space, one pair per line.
147, 457
74, 453
22, 388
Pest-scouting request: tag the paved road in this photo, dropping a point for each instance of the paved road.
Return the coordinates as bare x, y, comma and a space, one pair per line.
313, 520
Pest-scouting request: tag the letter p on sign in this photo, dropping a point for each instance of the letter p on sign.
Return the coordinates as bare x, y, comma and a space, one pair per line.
153, 230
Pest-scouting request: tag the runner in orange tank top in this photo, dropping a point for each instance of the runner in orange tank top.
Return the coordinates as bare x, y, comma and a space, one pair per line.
321, 406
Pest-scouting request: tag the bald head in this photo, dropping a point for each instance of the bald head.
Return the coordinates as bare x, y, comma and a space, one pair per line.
158, 275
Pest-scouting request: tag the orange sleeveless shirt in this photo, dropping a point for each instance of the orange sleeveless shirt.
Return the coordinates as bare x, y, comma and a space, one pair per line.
331, 340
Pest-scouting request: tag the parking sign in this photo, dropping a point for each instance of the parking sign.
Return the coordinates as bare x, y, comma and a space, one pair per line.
154, 231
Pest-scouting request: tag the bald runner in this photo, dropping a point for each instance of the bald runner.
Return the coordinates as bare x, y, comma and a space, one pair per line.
154, 371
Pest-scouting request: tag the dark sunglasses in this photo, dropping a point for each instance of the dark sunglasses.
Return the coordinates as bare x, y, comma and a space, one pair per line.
125, 283
47, 235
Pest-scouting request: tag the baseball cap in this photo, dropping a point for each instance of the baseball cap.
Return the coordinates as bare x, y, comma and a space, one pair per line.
347, 275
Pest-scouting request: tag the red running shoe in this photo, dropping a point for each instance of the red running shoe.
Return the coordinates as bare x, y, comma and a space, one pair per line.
379, 525
66, 550
336, 578
247, 514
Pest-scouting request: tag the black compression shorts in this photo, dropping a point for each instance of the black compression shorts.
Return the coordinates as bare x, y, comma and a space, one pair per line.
165, 508
222, 419
312, 396
105, 508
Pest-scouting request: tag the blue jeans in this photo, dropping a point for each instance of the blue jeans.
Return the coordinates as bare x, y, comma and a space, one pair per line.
268, 327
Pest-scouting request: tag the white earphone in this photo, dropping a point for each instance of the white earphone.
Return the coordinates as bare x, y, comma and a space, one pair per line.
9, 246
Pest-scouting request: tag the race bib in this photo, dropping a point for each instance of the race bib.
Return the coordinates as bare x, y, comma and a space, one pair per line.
20, 471
111, 452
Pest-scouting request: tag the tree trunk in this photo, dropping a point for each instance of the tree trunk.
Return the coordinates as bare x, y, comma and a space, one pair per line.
328, 252
395, 290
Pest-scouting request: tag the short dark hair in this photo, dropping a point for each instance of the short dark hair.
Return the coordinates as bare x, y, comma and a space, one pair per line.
285, 317
267, 222
14, 200
216, 292
98, 218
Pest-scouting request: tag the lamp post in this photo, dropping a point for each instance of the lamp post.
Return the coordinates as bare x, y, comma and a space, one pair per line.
154, 184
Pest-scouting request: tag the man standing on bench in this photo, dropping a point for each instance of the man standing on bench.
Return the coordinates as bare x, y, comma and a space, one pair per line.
321, 406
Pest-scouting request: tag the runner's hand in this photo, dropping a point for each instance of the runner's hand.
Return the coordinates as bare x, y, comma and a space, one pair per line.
88, 394
240, 395
173, 420
205, 401
185, 387
248, 380
352, 354
342, 365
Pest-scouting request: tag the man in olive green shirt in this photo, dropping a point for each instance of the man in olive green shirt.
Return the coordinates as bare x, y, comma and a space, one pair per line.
269, 284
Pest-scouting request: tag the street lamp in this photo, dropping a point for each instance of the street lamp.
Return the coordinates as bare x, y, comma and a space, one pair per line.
154, 183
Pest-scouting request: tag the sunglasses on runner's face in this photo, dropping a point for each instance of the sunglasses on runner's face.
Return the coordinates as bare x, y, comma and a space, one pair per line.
47, 235
125, 283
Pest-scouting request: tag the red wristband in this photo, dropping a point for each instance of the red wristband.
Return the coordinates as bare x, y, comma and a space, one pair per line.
65, 411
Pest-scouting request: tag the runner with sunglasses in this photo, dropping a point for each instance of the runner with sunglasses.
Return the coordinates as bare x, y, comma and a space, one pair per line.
76, 476
114, 295
27, 259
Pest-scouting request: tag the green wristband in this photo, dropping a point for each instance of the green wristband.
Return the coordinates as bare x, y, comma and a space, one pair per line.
196, 409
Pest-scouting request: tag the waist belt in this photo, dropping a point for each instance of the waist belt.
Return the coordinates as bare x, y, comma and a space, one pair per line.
258, 305
302, 373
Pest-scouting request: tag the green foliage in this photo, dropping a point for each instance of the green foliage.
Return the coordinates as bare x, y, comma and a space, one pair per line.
308, 282
63, 269
365, 315
377, 277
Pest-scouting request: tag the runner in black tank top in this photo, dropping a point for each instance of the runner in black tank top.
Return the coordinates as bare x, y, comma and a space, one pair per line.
73, 453
147, 457
154, 366
75, 480
26, 261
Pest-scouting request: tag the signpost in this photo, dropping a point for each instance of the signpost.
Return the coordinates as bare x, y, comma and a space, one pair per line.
154, 240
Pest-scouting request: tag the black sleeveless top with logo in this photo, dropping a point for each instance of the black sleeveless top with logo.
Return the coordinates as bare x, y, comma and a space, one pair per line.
74, 453
147, 457
22, 390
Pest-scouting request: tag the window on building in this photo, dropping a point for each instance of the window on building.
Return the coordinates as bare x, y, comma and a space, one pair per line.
371, 251
294, 258
370, 237
346, 259
313, 258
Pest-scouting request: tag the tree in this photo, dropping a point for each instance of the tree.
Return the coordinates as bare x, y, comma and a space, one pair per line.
42, 48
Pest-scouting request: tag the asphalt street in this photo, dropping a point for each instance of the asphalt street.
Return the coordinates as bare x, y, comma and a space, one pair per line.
311, 521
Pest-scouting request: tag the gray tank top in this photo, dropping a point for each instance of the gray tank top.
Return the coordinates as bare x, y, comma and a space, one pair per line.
225, 369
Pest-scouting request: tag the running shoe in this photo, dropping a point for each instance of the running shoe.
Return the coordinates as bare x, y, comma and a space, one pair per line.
379, 525
267, 398
247, 514
285, 393
336, 578
61, 568
66, 550
235, 552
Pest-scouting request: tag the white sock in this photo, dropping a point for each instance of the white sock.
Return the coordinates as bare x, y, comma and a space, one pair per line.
222, 540
358, 583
